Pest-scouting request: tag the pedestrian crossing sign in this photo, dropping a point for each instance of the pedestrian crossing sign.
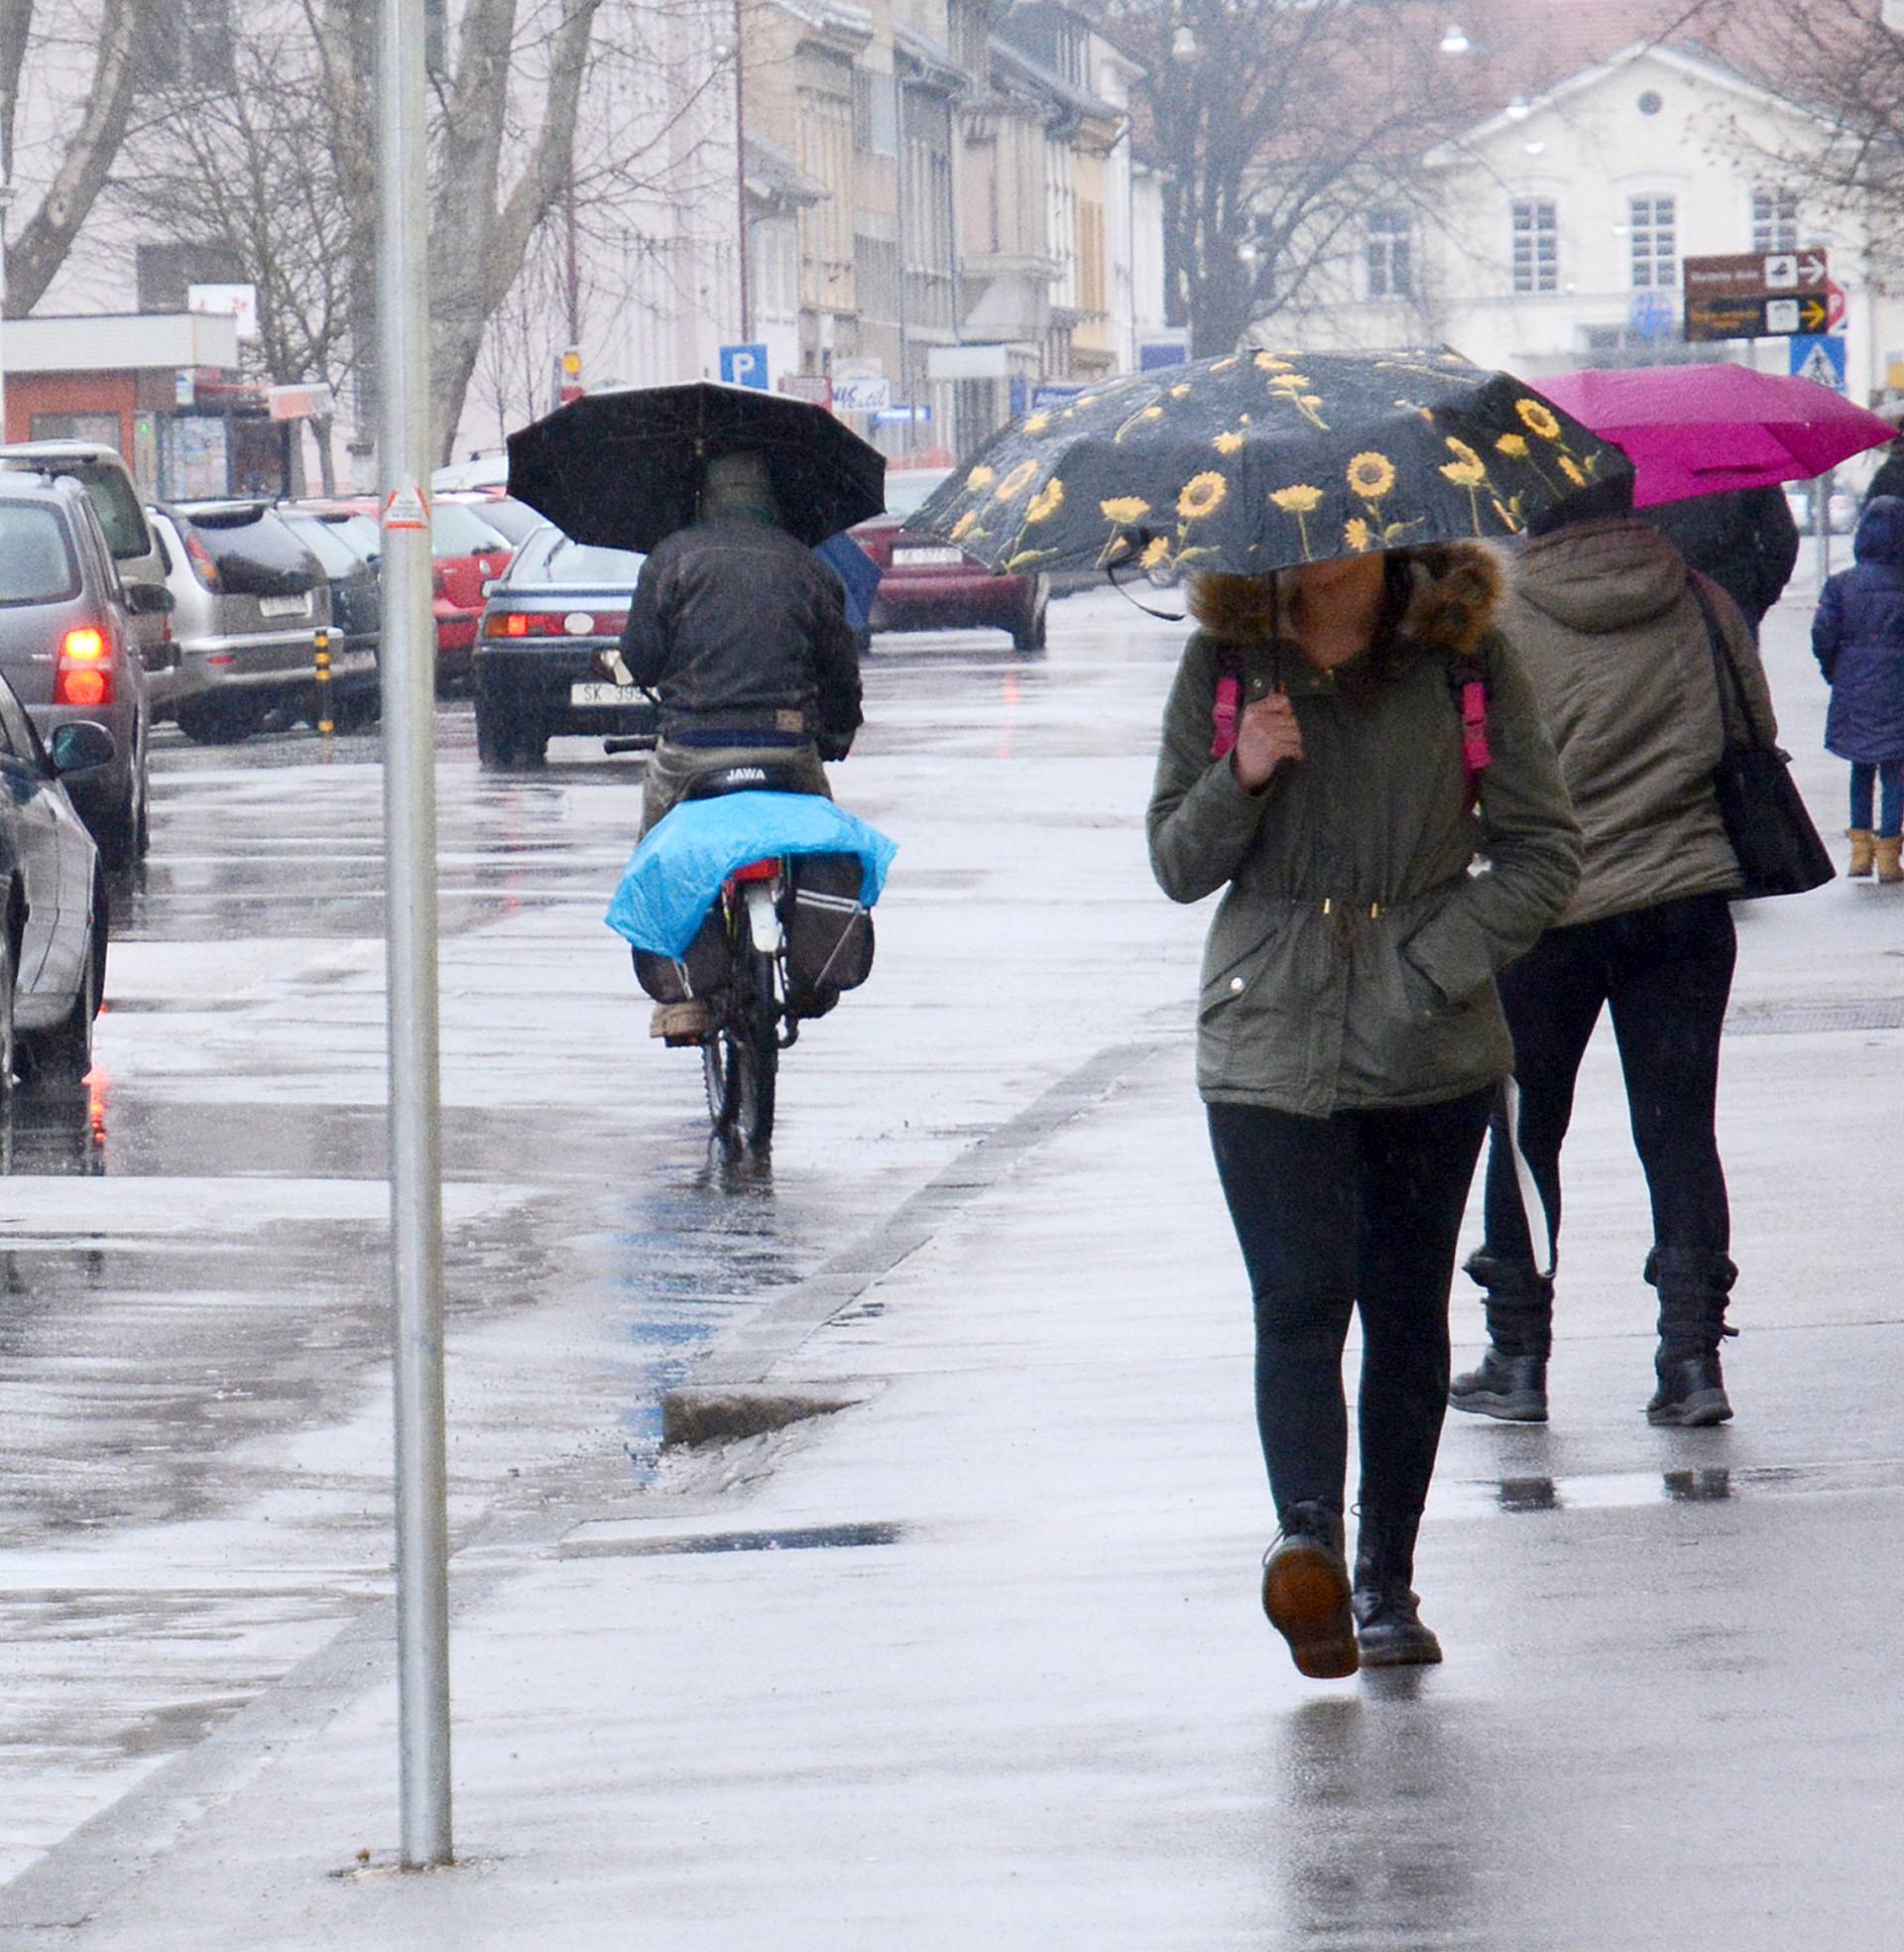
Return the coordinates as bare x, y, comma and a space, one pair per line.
1820, 356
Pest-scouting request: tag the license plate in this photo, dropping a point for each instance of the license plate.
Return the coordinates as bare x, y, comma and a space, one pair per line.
285, 606
606, 695
920, 558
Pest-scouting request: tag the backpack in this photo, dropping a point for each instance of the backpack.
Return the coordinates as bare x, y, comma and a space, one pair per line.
1467, 686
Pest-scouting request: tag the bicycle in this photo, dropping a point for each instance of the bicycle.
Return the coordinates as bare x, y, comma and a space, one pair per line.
785, 937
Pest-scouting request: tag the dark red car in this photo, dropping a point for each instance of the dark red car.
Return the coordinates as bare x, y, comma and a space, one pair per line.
929, 584
467, 551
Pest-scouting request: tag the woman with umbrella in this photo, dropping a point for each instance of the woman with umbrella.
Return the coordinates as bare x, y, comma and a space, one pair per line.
1317, 770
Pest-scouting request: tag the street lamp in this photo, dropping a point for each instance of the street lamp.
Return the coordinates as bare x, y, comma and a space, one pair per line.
1455, 42
1183, 44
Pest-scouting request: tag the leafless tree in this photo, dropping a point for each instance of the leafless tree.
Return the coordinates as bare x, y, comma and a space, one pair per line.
1277, 126
38, 248
1838, 63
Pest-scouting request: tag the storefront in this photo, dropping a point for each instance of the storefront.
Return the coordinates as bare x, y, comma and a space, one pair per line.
159, 387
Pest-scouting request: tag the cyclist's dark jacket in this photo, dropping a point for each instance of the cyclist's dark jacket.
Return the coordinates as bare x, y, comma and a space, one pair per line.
736, 626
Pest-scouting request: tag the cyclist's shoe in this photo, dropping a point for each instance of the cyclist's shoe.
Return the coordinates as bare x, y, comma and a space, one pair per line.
682, 1023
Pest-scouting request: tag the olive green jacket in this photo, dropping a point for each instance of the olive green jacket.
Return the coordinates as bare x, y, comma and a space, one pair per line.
1603, 619
1352, 958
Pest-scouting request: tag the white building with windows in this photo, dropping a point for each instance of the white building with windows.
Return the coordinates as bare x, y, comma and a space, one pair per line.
1553, 234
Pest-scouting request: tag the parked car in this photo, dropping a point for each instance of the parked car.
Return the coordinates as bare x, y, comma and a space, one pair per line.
552, 627
66, 646
929, 584
515, 521
467, 551
108, 483
251, 600
52, 895
356, 608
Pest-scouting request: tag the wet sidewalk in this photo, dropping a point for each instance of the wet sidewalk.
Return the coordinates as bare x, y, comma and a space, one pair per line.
979, 1661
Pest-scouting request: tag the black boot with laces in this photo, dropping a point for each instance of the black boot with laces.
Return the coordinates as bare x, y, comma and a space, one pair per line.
1305, 1591
1388, 1625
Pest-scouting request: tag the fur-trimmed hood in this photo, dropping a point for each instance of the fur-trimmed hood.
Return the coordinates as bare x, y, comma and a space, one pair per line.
1455, 592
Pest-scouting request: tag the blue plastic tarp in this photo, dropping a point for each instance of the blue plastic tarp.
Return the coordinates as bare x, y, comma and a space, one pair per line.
674, 876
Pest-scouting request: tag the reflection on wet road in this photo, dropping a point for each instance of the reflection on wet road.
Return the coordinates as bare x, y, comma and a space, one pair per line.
193, 1338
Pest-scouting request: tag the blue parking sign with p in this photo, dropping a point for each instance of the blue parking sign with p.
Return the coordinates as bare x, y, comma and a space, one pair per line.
745, 366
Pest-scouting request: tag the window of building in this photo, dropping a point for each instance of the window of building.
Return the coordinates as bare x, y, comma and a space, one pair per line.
186, 44
1537, 245
1390, 247
1652, 224
1774, 220
165, 273
876, 266
876, 122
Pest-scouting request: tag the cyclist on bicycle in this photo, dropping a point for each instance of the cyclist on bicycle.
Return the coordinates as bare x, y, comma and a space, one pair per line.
742, 633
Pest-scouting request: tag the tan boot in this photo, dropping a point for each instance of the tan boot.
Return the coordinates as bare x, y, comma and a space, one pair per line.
682, 1023
1889, 866
1863, 851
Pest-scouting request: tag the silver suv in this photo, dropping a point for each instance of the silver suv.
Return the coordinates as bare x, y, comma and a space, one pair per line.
135, 549
251, 600
66, 646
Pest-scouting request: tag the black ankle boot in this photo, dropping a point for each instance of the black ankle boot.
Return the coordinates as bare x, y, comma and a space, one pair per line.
1305, 1591
1691, 1394
1388, 1628
1510, 1388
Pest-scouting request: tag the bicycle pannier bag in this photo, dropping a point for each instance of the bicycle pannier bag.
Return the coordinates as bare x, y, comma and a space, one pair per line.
829, 931
698, 973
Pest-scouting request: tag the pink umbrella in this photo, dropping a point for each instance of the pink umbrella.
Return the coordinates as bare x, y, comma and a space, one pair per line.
1704, 430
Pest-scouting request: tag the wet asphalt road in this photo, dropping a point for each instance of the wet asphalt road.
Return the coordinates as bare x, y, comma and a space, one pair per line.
193, 1343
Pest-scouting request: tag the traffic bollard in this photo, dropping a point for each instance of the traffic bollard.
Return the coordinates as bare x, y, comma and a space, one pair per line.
324, 725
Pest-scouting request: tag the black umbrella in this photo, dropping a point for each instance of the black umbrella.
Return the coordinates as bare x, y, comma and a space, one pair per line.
621, 469
1262, 459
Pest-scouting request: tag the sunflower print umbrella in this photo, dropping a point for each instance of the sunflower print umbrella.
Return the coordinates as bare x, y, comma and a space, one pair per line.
1262, 459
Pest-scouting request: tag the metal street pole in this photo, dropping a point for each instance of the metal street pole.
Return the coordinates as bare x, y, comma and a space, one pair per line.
739, 168
409, 845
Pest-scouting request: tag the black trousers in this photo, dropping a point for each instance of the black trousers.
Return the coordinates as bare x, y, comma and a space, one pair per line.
1358, 1211
1665, 974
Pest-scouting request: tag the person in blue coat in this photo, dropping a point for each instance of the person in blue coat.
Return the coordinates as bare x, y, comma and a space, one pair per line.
1858, 637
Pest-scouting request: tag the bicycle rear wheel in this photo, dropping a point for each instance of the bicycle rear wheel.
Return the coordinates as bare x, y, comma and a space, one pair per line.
740, 1063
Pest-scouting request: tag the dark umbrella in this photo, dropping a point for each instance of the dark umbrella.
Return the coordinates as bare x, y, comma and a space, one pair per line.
622, 469
1262, 459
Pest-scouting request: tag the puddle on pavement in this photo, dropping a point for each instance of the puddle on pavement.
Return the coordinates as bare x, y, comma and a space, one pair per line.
1704, 1484
797, 1539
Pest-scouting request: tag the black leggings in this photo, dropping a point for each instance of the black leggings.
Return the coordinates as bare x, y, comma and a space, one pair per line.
1359, 1210
1665, 973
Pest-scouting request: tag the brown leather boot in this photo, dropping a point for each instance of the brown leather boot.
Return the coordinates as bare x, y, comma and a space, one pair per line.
1889, 868
1863, 851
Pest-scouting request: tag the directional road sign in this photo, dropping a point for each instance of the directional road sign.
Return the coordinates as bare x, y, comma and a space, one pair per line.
1756, 318
1750, 296
1820, 358
1747, 276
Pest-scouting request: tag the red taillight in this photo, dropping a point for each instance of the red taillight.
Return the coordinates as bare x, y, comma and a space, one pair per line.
84, 676
522, 623
202, 567
757, 871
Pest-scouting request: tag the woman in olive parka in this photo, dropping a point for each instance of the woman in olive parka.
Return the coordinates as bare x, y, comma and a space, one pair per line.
1349, 1039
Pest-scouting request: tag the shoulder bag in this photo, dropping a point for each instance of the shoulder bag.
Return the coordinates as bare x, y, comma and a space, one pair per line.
1778, 848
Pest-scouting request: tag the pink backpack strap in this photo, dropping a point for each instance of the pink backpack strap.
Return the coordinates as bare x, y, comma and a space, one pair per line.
1468, 679
1223, 716
1226, 704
